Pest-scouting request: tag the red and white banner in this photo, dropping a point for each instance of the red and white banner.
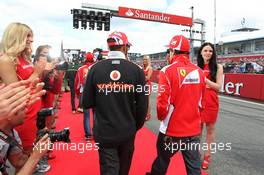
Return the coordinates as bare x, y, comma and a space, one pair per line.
154, 16
244, 85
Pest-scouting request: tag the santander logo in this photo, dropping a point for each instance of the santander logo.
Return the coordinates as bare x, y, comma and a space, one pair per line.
147, 15
129, 13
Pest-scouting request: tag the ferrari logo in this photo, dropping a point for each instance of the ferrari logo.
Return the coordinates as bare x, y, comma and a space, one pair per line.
183, 72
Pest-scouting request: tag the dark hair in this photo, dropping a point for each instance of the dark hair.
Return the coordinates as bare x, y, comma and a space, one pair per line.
39, 50
115, 47
212, 61
177, 52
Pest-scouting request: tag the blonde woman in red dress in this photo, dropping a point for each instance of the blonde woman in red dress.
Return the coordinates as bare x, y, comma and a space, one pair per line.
148, 73
15, 65
206, 60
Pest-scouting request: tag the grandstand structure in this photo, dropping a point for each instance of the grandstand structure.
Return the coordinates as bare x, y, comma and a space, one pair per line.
243, 47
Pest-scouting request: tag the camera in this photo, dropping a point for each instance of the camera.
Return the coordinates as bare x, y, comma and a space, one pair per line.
63, 135
59, 136
63, 65
42, 115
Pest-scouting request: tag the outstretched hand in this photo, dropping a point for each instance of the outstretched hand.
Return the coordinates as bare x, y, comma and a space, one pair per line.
14, 97
36, 91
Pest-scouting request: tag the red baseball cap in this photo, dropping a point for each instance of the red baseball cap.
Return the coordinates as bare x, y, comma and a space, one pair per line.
89, 57
180, 43
118, 39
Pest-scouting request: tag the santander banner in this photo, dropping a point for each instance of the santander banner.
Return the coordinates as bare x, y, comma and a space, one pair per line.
154, 16
244, 85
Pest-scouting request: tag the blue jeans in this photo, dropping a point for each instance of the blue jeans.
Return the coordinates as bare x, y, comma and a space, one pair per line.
168, 146
86, 121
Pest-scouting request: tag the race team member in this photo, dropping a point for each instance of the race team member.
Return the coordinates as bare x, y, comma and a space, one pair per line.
181, 88
110, 88
78, 87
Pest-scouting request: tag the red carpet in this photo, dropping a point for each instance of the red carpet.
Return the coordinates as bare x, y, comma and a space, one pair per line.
76, 162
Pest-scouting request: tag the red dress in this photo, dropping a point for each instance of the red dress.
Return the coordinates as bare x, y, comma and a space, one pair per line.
211, 102
148, 82
28, 130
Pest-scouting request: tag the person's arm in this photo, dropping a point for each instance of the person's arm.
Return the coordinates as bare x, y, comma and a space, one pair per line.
219, 79
141, 99
203, 87
26, 165
7, 70
89, 92
56, 82
148, 77
39, 67
164, 92
39, 151
36, 91
77, 84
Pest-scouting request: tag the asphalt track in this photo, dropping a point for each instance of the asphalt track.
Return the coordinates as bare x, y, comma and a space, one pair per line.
240, 123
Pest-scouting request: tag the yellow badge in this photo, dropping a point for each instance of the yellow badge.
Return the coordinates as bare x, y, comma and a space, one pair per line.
183, 72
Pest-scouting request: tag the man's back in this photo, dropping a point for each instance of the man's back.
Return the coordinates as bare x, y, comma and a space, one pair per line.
111, 88
184, 85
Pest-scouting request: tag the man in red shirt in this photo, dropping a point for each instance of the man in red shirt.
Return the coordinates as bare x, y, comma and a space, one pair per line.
179, 101
78, 87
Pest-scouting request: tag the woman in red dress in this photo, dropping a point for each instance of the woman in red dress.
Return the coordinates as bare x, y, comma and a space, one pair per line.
15, 65
206, 60
148, 73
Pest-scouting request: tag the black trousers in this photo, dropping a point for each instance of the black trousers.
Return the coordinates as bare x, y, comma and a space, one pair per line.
168, 146
71, 84
116, 160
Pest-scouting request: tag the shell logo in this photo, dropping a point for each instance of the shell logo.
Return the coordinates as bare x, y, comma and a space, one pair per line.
115, 75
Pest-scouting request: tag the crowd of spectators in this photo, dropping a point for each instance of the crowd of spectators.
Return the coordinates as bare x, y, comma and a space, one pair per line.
228, 65
244, 67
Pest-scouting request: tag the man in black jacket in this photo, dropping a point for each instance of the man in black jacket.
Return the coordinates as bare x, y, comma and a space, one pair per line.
115, 89
70, 77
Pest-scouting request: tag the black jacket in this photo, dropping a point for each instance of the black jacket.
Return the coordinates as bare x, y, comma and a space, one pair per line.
114, 87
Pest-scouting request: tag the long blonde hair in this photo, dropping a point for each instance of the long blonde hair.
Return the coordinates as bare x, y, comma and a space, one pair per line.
14, 41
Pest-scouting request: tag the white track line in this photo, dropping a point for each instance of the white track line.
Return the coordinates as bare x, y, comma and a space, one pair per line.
240, 100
